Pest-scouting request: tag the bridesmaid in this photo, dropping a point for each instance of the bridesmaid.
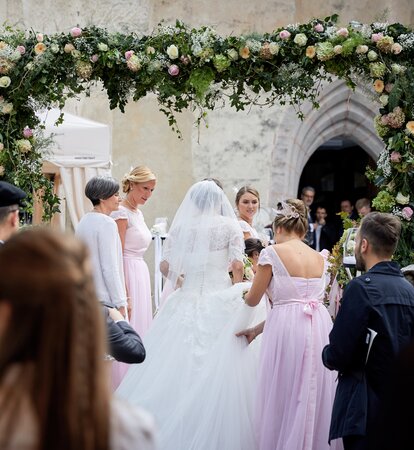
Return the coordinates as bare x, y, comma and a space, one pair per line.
135, 236
247, 204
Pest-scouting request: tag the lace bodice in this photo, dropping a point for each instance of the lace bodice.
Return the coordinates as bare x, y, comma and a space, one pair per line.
285, 288
209, 250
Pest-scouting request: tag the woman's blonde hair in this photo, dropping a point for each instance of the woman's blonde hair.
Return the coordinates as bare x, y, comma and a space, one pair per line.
56, 336
292, 216
140, 174
246, 189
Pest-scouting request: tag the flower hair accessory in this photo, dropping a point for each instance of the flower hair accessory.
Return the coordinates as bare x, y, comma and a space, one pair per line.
286, 210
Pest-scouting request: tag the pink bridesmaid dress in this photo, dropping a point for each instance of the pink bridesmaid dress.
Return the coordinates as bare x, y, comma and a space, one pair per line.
137, 279
296, 392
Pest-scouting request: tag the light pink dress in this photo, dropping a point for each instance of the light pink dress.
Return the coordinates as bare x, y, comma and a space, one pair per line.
296, 392
137, 279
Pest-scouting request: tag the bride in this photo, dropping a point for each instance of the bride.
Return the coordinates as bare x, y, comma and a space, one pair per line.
198, 378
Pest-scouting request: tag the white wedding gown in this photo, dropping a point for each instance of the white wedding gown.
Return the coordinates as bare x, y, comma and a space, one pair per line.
198, 379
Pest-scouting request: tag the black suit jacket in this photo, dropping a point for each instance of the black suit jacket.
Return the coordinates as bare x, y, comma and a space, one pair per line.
381, 300
125, 345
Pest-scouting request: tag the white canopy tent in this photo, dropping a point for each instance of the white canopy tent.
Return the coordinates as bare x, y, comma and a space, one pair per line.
82, 149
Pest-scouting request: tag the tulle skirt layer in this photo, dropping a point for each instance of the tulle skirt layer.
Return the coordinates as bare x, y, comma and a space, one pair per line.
199, 378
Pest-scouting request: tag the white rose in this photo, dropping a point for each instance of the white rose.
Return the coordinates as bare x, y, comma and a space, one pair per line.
338, 49
274, 48
2, 170
7, 108
102, 47
300, 39
5, 82
402, 199
172, 52
372, 56
232, 54
361, 49
384, 100
54, 48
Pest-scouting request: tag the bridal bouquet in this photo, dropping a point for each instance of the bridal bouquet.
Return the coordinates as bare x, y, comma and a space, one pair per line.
248, 273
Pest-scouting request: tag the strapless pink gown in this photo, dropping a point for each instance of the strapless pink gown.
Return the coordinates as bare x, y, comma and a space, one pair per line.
296, 392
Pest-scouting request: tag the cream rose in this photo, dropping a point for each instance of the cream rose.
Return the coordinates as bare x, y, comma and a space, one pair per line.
5, 82
402, 199
172, 52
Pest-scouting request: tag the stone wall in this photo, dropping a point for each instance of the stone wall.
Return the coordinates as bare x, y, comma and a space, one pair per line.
266, 147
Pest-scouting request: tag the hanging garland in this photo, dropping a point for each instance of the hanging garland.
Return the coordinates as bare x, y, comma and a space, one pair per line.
197, 68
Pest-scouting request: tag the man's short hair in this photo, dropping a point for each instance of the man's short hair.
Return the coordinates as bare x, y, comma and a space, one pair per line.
382, 231
306, 189
5, 211
362, 202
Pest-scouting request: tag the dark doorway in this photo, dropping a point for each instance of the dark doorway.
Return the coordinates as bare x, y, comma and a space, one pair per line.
337, 171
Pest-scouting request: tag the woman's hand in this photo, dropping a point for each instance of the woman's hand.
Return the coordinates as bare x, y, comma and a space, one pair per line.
250, 334
122, 310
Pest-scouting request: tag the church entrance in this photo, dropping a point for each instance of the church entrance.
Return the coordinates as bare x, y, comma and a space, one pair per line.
337, 172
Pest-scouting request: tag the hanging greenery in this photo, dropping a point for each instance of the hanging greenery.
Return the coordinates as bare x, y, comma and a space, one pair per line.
196, 68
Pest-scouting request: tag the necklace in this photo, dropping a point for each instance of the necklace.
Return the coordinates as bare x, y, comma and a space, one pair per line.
134, 208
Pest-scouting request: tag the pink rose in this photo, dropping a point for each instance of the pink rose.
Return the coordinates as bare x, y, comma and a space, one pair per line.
173, 70
128, 54
396, 48
343, 32
39, 37
395, 157
318, 28
284, 34
375, 37
27, 132
94, 58
388, 87
76, 32
21, 49
407, 213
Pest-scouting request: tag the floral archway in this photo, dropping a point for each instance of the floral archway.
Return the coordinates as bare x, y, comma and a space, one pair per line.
196, 68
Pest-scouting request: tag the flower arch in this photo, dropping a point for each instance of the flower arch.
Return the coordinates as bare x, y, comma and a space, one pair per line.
196, 68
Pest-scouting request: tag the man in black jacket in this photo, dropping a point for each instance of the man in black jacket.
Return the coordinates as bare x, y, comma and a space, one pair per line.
124, 343
375, 321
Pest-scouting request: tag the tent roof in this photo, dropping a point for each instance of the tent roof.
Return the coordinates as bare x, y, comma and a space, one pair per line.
78, 141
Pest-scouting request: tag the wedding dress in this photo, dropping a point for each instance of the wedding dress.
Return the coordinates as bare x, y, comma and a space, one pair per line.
198, 379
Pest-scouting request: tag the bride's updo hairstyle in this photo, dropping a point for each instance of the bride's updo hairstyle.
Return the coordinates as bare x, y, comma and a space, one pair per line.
291, 215
207, 196
140, 174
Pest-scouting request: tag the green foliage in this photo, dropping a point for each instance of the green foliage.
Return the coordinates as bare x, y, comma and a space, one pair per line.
197, 68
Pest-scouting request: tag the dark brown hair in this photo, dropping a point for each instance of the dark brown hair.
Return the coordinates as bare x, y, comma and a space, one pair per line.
56, 336
382, 231
290, 223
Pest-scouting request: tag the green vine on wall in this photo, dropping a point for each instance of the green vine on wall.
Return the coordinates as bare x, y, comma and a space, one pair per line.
197, 69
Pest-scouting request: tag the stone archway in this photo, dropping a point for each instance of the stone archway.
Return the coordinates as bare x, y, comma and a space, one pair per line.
342, 112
